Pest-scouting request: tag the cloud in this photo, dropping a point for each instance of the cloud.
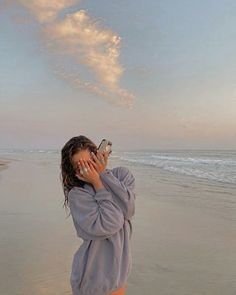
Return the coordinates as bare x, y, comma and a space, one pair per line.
45, 10
82, 40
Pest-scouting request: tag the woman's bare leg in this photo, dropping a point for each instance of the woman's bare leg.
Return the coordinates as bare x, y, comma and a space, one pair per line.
120, 291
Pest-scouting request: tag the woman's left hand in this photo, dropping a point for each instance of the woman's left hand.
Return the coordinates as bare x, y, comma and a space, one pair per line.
99, 161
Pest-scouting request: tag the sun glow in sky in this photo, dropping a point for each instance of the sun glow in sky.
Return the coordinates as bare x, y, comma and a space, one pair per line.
156, 74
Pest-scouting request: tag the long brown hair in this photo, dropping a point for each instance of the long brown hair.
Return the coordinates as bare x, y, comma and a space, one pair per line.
68, 177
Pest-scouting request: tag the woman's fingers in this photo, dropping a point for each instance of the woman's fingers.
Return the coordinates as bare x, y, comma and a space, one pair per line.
85, 163
80, 166
87, 166
98, 161
104, 157
91, 166
96, 157
105, 154
101, 157
79, 176
93, 162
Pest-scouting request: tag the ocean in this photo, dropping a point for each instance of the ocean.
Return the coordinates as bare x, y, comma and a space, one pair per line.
216, 165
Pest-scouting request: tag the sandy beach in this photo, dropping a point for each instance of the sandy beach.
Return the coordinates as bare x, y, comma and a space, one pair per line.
184, 231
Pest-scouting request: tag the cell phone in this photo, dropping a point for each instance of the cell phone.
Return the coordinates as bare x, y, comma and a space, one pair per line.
105, 145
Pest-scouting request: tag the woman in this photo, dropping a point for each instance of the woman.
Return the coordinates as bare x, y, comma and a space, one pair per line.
101, 202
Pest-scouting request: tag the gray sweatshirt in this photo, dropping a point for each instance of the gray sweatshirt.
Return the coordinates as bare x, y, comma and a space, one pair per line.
101, 218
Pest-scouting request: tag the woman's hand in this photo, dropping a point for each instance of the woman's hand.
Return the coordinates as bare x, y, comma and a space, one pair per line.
91, 175
99, 161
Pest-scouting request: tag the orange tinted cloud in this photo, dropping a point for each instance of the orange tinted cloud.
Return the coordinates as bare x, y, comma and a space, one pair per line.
80, 38
45, 11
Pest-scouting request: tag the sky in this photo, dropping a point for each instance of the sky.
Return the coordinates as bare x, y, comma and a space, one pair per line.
143, 74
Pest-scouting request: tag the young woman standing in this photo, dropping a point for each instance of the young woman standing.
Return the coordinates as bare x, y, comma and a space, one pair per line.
102, 203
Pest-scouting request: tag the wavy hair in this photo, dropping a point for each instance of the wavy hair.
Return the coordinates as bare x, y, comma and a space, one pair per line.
67, 176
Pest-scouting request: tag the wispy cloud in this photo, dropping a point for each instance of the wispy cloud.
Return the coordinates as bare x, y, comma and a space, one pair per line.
80, 38
45, 11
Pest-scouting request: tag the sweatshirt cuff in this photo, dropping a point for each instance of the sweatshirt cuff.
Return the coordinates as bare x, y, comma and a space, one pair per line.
103, 194
104, 173
100, 190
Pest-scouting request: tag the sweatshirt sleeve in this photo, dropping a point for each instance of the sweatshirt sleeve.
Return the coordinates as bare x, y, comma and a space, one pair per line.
94, 216
122, 183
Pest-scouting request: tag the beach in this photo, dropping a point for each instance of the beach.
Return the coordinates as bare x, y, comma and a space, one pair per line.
184, 229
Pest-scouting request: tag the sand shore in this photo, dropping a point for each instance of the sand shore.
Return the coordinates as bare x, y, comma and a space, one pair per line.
184, 231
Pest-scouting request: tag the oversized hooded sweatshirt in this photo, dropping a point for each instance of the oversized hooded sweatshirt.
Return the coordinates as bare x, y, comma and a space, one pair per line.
102, 219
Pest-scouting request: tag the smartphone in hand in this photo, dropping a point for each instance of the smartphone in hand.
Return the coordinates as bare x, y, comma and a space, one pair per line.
105, 145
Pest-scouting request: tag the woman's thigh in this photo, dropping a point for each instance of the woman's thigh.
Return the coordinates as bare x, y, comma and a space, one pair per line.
120, 291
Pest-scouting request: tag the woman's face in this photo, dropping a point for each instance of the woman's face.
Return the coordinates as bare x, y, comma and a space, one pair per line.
83, 154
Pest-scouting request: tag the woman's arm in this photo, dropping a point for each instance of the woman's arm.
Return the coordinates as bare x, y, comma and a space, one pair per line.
122, 183
98, 185
95, 217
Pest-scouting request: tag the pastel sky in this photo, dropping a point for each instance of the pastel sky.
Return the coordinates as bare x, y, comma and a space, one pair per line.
143, 74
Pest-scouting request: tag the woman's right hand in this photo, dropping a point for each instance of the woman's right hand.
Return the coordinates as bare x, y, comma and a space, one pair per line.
91, 175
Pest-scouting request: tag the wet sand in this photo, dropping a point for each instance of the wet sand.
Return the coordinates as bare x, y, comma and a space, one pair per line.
184, 232
3, 164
